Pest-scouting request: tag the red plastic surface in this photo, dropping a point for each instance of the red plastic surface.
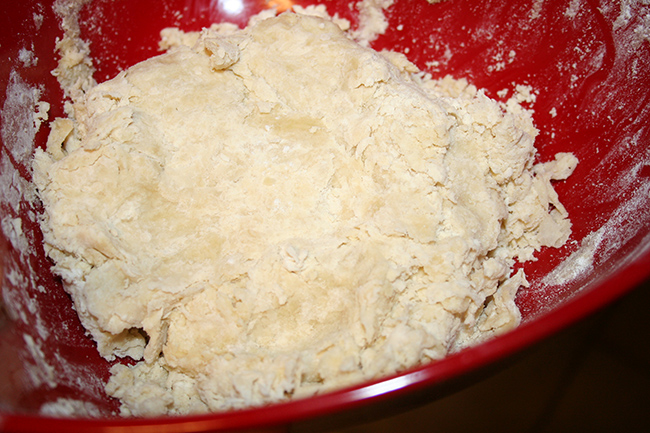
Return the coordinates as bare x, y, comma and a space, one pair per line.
588, 61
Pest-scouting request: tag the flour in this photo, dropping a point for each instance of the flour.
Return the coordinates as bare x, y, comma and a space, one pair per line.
18, 128
41, 371
66, 407
23, 114
27, 57
604, 242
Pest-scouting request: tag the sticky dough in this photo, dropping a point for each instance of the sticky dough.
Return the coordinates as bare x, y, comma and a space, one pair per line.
279, 211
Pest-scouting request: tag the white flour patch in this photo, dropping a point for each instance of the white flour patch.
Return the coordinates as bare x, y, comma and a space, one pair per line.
22, 115
12, 228
536, 10
577, 264
66, 407
573, 10
27, 57
629, 11
41, 372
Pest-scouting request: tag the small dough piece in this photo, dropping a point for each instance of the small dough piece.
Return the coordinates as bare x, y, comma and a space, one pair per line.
278, 211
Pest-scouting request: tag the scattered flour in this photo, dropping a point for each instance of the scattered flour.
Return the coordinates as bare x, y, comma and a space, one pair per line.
23, 113
27, 58
18, 128
66, 407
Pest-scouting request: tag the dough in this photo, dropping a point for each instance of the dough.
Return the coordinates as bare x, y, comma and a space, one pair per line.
279, 211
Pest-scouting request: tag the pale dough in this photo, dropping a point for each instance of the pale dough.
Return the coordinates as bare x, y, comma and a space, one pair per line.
279, 211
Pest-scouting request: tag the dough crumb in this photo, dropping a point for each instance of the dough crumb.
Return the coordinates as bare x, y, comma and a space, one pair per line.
267, 213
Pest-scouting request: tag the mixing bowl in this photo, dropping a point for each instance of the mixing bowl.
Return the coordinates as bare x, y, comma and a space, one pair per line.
587, 62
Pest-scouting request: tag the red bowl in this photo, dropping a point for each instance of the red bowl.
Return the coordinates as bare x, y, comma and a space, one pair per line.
589, 63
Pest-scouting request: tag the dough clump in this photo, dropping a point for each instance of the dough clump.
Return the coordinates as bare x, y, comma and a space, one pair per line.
278, 211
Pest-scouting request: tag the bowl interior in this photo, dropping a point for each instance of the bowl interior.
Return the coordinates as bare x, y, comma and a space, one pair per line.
586, 61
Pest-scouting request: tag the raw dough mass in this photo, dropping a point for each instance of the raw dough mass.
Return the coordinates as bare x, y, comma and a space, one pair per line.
278, 211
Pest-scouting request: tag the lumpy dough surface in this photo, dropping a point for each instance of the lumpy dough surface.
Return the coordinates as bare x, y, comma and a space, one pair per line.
277, 211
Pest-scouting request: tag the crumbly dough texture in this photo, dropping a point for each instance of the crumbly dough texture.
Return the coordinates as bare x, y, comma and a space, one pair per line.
278, 211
